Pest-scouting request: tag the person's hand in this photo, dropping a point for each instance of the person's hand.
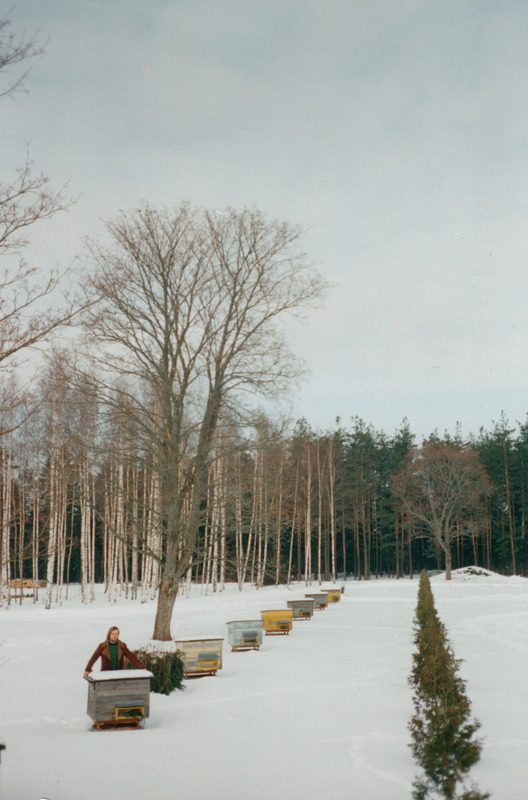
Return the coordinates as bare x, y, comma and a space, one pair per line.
86, 673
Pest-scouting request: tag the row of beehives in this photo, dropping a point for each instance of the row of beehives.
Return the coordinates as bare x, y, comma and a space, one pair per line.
121, 698
204, 656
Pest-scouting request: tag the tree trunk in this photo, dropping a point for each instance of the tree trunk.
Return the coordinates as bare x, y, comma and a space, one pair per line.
447, 553
5, 549
319, 516
293, 523
166, 598
279, 522
511, 522
332, 508
308, 522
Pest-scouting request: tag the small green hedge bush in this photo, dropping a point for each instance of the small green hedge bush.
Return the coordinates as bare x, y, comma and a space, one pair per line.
167, 669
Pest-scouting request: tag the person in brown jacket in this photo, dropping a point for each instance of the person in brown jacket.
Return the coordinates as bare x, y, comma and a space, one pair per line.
112, 653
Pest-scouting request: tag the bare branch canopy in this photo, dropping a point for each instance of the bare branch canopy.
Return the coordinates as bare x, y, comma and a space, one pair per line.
443, 490
187, 319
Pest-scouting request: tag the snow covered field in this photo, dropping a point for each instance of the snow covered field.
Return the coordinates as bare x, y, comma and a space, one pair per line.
321, 713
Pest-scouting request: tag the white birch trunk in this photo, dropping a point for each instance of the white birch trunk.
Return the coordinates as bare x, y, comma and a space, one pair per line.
134, 577
331, 505
294, 521
35, 536
278, 542
5, 548
62, 490
151, 564
319, 516
308, 521
54, 516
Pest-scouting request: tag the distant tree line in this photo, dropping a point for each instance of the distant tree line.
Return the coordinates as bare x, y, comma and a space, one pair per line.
79, 496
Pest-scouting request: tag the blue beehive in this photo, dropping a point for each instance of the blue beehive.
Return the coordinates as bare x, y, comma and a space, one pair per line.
244, 634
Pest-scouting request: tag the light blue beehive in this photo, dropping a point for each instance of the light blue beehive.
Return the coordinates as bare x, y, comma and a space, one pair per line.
302, 609
244, 634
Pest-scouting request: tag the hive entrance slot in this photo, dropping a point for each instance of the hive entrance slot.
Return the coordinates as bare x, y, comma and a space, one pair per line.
123, 713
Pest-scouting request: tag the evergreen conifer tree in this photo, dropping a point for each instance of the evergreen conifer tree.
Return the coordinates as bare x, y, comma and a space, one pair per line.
443, 736
166, 667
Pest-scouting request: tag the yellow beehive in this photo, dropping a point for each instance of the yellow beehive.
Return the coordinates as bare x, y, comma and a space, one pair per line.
334, 595
277, 621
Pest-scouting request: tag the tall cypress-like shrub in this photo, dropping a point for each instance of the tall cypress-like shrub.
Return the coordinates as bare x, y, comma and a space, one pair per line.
443, 735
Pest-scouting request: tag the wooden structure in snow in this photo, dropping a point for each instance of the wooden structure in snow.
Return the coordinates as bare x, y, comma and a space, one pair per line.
200, 656
277, 621
119, 698
302, 609
24, 587
320, 600
244, 634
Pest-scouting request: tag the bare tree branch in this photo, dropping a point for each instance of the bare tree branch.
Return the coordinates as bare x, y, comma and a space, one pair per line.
15, 50
23, 201
27, 296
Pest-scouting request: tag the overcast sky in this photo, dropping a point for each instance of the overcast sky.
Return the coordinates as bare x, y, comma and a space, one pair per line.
395, 132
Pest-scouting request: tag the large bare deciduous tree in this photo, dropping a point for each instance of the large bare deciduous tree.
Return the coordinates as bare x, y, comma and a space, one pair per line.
189, 313
443, 489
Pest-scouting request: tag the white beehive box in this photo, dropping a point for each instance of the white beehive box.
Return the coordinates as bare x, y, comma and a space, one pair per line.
200, 656
244, 634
